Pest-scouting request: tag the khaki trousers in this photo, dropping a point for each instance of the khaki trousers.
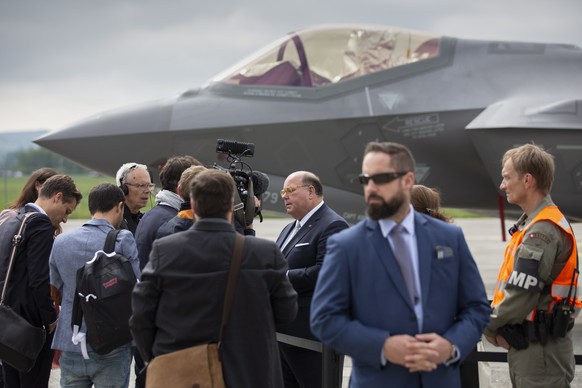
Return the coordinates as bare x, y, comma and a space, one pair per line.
540, 366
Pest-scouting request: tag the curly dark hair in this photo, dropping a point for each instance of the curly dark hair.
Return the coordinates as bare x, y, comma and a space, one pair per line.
171, 172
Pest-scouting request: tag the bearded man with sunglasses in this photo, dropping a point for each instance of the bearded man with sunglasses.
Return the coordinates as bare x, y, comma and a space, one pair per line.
399, 292
303, 244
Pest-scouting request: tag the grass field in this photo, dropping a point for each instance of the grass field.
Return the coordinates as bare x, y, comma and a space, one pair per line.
10, 188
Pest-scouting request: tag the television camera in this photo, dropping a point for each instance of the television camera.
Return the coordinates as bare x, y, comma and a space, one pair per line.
249, 184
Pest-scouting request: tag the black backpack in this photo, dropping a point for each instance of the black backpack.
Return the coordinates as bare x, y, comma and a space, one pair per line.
103, 298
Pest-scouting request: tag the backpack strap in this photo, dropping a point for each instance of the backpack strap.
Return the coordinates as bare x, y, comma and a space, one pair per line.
110, 241
77, 316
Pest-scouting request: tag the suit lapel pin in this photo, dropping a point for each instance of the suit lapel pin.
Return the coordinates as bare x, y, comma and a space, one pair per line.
442, 252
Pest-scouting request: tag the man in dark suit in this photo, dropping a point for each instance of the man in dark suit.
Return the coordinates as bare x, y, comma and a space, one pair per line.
399, 292
29, 293
303, 245
178, 302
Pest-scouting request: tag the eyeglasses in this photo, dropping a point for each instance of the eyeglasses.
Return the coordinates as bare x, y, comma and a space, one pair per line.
381, 178
290, 189
143, 186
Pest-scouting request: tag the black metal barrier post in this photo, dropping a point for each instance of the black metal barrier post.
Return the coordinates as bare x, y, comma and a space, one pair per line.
332, 369
331, 374
470, 374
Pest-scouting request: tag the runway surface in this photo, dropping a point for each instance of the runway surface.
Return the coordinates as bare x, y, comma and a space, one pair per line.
484, 238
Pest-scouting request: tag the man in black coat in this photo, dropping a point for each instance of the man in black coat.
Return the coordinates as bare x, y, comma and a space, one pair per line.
178, 302
303, 243
28, 291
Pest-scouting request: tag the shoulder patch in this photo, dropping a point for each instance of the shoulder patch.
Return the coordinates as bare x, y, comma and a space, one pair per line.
540, 236
525, 276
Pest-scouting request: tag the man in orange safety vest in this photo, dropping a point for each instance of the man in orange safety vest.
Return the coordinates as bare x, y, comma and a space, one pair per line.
536, 297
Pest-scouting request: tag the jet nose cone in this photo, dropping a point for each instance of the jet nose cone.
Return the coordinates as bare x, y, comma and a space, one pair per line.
100, 142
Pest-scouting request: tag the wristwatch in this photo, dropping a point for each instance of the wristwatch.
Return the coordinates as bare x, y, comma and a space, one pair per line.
454, 353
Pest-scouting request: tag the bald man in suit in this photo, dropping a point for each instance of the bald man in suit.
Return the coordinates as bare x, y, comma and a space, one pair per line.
303, 243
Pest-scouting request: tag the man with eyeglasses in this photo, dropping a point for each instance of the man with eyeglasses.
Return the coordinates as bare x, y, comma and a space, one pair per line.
399, 292
135, 182
146, 228
303, 243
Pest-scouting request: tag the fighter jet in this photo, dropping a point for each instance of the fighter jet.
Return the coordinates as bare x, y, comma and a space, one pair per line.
314, 98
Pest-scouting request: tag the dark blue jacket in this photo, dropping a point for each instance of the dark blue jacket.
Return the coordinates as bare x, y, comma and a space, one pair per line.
174, 225
147, 230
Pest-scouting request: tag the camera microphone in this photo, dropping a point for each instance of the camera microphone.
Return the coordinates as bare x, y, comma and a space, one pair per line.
260, 182
234, 147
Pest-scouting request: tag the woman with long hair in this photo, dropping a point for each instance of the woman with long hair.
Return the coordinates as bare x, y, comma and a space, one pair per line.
29, 193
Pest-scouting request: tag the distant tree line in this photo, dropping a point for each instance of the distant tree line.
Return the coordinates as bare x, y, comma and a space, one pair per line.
26, 161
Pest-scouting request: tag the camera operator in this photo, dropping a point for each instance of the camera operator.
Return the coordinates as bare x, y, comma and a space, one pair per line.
172, 309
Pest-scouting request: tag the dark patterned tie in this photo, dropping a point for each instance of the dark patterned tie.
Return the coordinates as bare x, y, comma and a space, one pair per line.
404, 259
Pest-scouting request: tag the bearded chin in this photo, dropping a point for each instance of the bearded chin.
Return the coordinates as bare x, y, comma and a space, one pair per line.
378, 211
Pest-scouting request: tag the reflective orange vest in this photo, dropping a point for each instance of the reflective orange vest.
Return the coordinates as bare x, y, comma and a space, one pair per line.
560, 287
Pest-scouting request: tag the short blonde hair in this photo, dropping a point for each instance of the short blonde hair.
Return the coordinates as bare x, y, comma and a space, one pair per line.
185, 180
531, 159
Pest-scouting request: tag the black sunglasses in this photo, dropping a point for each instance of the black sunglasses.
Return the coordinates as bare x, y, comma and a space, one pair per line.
381, 178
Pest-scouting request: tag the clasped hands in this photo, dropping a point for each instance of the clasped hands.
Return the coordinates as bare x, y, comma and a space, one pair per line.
421, 353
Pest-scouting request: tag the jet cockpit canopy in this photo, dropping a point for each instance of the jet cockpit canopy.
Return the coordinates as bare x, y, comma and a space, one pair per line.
325, 55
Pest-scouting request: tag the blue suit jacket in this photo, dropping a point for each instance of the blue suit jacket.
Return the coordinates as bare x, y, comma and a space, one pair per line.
361, 299
304, 255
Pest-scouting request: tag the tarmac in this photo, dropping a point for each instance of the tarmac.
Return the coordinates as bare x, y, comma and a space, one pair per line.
484, 237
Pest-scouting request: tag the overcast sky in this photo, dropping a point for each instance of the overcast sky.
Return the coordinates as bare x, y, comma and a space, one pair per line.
64, 60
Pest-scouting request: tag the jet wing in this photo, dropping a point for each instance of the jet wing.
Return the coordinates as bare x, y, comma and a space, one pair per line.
557, 127
531, 113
